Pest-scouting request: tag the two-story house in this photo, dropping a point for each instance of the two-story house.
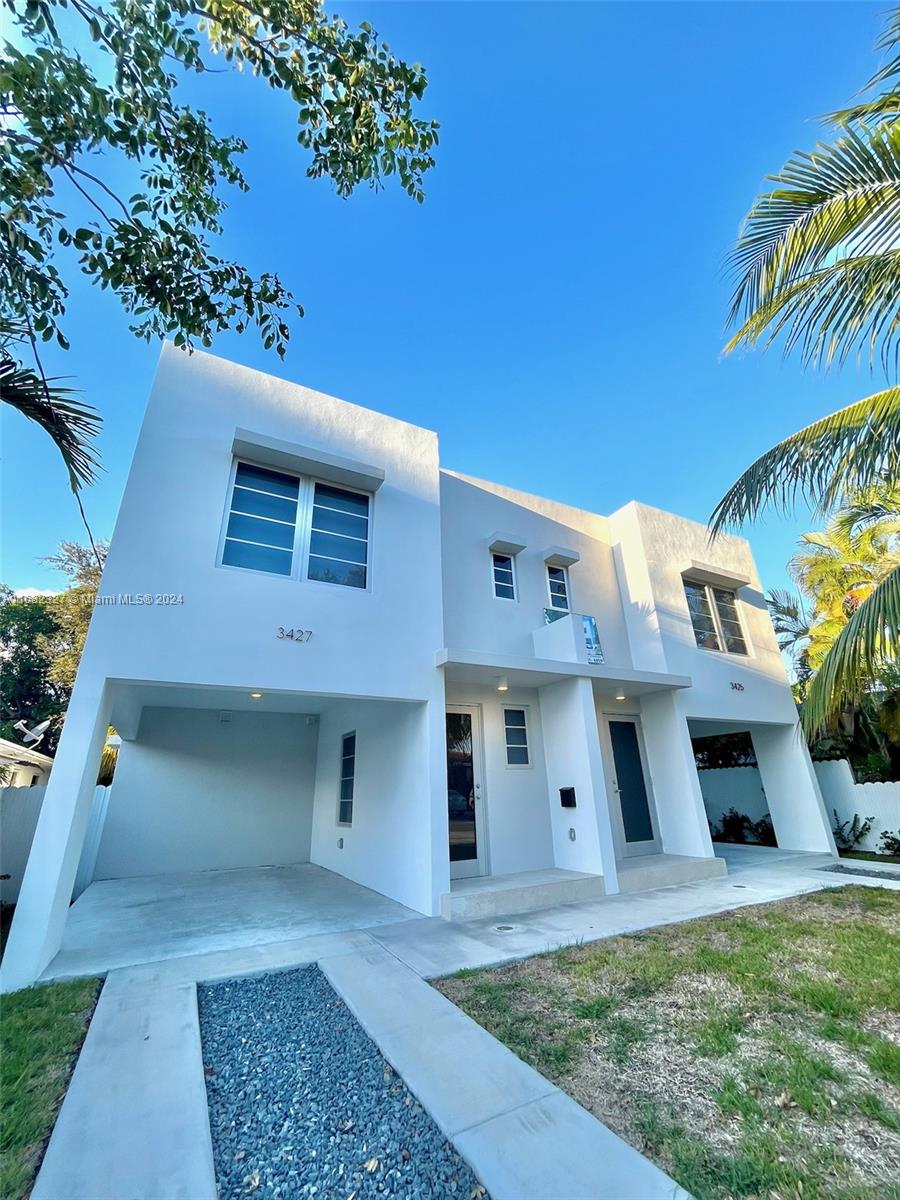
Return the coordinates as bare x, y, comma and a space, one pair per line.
318, 646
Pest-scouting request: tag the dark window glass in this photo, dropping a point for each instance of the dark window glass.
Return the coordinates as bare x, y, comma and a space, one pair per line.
262, 521
516, 737
338, 547
348, 776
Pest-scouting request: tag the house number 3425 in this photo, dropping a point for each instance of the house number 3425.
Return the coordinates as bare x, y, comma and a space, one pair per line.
736, 687
293, 635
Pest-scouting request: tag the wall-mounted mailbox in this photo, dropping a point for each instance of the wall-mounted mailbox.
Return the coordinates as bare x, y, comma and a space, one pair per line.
567, 797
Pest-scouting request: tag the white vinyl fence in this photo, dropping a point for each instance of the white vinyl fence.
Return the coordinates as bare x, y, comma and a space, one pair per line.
741, 788
733, 787
880, 801
20, 808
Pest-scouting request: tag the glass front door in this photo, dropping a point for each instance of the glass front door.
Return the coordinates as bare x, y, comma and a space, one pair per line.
637, 827
463, 793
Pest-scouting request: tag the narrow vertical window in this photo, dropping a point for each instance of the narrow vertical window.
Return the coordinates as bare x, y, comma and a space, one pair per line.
558, 583
348, 778
262, 520
339, 538
504, 577
516, 737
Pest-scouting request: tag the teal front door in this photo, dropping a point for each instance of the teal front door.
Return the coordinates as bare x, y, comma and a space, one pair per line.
634, 816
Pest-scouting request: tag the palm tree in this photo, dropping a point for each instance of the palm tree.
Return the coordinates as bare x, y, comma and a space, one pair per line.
71, 423
818, 264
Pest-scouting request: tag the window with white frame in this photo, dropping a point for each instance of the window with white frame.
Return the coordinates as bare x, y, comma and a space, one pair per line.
262, 522
558, 585
277, 521
504, 576
516, 732
715, 617
348, 779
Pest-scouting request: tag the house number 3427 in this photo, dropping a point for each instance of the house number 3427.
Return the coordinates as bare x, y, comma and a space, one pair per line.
293, 635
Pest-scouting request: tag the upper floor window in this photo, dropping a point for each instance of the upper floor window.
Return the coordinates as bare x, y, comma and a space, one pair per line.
504, 576
715, 618
262, 524
558, 583
339, 540
277, 521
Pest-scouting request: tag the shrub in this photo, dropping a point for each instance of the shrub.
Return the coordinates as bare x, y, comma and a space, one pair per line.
764, 831
889, 843
848, 834
734, 827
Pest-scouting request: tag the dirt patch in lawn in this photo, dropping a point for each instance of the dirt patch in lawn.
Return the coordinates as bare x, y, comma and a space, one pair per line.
751, 1054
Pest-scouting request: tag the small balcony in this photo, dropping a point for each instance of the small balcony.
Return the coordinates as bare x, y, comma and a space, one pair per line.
572, 637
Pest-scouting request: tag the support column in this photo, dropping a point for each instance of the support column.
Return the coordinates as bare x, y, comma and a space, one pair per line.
46, 891
792, 790
683, 826
572, 754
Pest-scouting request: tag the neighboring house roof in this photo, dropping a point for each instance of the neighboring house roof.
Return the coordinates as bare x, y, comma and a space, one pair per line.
12, 752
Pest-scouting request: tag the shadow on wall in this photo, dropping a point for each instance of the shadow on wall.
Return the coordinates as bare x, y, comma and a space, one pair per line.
732, 789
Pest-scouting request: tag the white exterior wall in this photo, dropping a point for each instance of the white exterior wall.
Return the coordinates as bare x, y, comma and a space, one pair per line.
841, 793
517, 813
209, 796
167, 537
655, 547
474, 618
397, 814
574, 759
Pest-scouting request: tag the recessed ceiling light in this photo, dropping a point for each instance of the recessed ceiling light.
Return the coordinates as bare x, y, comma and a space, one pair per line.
502, 685
620, 695
256, 695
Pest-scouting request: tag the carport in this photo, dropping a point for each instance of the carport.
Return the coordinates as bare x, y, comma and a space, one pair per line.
122, 922
782, 783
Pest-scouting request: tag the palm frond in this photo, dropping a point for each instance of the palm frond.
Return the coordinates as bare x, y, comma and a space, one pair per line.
873, 506
870, 639
888, 102
819, 246
849, 305
71, 423
846, 451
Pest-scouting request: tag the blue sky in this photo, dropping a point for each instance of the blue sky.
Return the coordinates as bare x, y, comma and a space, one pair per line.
555, 309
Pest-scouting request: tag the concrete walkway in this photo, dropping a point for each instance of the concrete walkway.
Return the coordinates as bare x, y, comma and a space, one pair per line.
134, 1123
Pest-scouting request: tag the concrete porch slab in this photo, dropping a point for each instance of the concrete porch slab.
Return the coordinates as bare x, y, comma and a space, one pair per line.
664, 870
525, 891
121, 922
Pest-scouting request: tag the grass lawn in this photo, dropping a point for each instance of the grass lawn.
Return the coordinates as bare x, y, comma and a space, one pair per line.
870, 856
751, 1054
41, 1031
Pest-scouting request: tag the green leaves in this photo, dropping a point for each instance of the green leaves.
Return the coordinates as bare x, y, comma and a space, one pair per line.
868, 642
70, 423
113, 91
849, 450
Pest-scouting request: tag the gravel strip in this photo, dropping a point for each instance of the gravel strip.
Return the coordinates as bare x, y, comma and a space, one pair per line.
302, 1102
877, 873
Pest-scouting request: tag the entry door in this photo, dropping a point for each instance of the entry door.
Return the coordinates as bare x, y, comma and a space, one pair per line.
634, 814
464, 805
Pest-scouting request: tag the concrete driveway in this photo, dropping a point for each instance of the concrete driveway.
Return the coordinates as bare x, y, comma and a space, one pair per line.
124, 922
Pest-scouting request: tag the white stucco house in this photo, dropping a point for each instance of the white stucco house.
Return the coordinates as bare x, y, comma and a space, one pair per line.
318, 646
